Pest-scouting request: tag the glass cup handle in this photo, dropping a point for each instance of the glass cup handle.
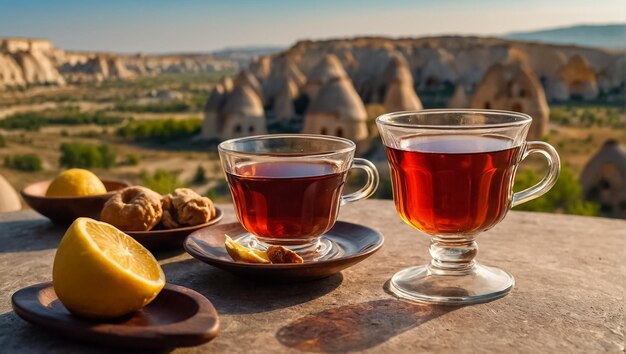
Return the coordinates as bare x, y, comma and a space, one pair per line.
370, 186
548, 181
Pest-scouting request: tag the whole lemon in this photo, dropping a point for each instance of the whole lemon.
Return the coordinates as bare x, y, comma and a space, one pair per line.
75, 182
100, 272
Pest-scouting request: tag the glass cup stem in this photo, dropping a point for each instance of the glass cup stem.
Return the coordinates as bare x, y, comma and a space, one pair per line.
452, 258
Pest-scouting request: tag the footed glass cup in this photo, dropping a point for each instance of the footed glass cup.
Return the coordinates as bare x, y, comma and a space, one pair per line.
452, 173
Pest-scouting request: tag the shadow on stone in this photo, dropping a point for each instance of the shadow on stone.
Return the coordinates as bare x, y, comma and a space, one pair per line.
356, 327
29, 235
19, 336
431, 288
162, 254
235, 295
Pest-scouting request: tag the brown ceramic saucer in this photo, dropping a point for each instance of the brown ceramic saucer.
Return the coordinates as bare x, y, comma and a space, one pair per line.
178, 317
355, 243
64, 210
171, 238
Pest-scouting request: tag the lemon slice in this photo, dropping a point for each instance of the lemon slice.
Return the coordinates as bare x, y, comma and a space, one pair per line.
75, 182
240, 253
101, 272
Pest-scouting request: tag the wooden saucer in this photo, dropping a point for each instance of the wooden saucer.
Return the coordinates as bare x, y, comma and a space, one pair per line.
355, 243
178, 317
171, 238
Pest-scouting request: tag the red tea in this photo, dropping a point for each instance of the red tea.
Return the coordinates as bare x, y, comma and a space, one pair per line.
453, 184
286, 199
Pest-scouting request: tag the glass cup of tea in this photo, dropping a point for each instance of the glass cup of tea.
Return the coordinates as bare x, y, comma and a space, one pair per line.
287, 188
452, 173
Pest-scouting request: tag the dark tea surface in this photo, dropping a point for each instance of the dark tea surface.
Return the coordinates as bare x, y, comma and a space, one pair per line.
447, 185
285, 199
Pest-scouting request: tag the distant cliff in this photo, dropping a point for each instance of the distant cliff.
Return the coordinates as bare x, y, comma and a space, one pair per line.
443, 62
26, 61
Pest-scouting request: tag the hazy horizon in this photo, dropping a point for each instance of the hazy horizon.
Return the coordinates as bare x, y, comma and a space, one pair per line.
204, 26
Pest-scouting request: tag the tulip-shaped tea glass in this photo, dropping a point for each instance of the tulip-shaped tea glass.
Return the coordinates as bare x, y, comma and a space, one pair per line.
452, 173
287, 188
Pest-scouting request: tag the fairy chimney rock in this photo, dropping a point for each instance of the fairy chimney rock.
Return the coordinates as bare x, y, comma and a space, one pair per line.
242, 114
512, 86
284, 102
337, 110
245, 77
327, 69
212, 125
579, 79
459, 99
604, 179
399, 92
282, 68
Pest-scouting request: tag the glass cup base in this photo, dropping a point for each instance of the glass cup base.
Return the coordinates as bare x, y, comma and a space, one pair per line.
428, 284
317, 249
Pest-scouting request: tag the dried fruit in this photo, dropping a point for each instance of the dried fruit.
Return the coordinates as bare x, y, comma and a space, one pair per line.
281, 255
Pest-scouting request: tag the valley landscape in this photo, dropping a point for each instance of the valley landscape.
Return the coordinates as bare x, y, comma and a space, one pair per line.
156, 119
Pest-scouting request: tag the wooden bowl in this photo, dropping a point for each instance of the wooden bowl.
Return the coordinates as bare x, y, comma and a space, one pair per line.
64, 210
158, 240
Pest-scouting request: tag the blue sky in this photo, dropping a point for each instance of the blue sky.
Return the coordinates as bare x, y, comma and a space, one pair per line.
186, 25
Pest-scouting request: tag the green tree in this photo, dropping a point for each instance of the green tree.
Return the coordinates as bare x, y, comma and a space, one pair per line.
160, 131
87, 155
566, 196
200, 176
161, 181
132, 160
27, 163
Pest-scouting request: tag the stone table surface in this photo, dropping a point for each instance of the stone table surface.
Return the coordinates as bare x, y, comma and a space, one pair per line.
569, 294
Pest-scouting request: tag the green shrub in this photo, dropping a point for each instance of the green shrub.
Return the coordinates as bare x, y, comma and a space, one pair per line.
132, 160
28, 162
200, 176
220, 193
560, 115
160, 131
161, 181
87, 155
33, 121
159, 107
3, 142
385, 188
566, 196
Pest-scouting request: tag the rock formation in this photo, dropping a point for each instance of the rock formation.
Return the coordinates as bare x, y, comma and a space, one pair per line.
282, 67
9, 200
512, 86
284, 102
28, 62
399, 93
327, 69
242, 114
604, 179
337, 110
578, 79
25, 61
459, 98
245, 77
438, 62
212, 126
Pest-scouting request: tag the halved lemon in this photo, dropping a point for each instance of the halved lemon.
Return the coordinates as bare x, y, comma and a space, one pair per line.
101, 272
241, 253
